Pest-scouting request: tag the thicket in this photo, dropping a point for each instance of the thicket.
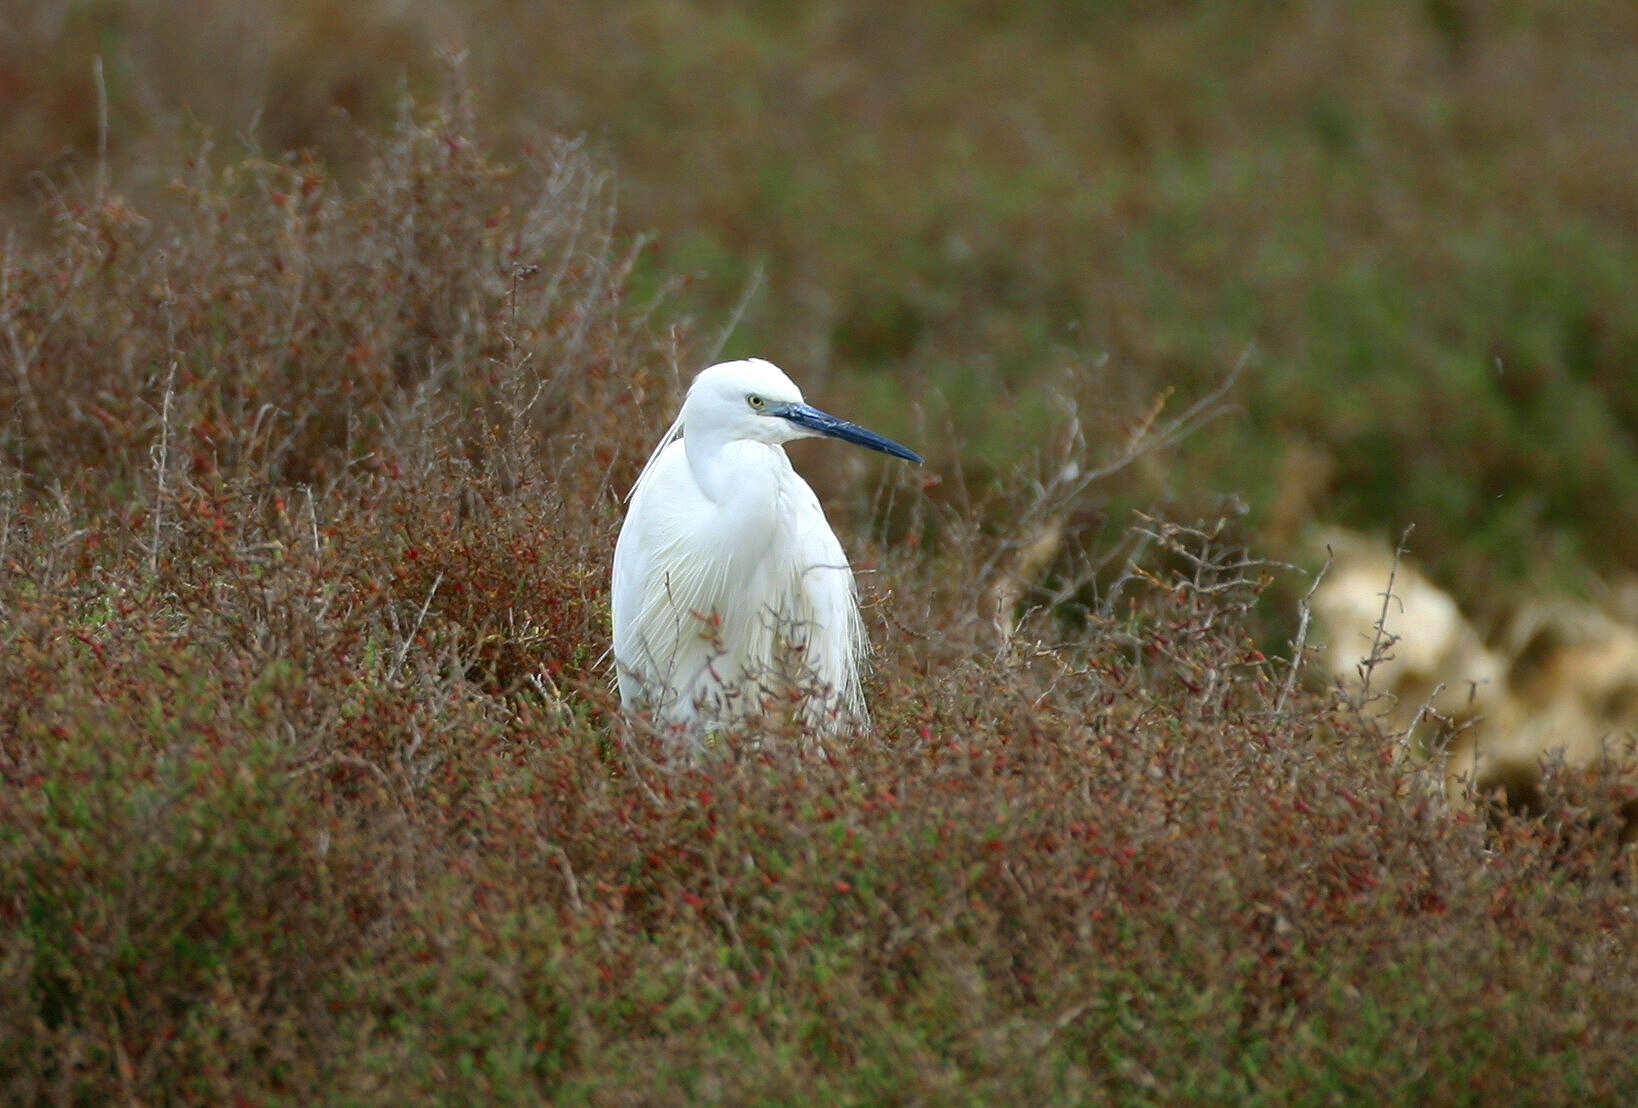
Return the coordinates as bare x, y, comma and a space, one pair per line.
314, 788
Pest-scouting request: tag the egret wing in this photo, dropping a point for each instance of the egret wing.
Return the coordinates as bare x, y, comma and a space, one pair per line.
669, 581
828, 598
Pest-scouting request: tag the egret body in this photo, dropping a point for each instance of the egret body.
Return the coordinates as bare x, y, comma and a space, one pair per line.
729, 584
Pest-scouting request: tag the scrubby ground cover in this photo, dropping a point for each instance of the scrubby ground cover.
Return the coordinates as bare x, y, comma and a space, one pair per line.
314, 789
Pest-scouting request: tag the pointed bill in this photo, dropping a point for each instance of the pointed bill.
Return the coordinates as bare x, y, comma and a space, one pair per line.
822, 423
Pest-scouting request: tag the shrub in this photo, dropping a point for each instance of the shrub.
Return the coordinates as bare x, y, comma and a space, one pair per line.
315, 788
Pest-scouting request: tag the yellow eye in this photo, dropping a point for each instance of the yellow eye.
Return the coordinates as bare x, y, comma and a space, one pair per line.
756, 402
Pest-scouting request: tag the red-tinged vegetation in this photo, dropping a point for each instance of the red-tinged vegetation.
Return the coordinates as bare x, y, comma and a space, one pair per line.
315, 788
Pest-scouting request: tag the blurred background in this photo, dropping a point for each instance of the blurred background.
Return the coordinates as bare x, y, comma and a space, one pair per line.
1415, 222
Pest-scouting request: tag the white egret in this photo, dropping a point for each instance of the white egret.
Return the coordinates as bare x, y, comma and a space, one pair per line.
729, 584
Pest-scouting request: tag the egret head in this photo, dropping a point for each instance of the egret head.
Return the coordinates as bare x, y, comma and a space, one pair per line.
754, 400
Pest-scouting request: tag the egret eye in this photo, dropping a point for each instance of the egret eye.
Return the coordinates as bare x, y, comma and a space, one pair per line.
756, 402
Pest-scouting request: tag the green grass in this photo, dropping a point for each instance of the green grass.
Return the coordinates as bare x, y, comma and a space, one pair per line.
1383, 203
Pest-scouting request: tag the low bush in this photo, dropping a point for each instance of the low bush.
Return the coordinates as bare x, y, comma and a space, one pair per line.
315, 788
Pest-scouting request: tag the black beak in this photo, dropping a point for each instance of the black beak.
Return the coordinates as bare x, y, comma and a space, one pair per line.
821, 423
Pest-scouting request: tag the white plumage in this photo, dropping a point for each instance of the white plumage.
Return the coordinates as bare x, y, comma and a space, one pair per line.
729, 585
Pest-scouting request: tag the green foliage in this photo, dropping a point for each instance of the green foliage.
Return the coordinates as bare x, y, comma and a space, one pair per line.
1415, 215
